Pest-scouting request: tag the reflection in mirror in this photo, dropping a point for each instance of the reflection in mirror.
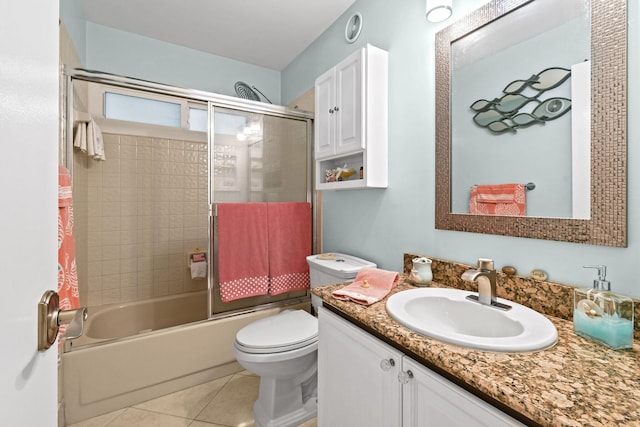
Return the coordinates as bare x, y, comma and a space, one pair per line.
568, 143
511, 103
539, 58
551, 78
507, 113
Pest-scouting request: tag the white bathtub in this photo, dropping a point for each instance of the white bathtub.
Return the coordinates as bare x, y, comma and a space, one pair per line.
102, 377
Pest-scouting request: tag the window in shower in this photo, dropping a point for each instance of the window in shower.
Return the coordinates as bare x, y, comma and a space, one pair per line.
133, 107
142, 110
198, 118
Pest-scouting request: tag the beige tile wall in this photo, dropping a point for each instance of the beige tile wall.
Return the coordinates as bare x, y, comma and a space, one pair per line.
147, 209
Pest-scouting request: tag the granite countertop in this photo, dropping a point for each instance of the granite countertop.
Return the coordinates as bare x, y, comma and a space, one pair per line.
575, 383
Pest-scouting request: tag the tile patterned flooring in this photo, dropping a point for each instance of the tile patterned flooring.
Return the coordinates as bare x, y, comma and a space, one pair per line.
225, 402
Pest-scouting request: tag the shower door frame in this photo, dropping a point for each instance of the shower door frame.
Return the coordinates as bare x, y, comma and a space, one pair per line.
216, 100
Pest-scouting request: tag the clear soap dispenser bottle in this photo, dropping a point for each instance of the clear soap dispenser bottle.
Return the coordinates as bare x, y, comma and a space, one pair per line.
601, 315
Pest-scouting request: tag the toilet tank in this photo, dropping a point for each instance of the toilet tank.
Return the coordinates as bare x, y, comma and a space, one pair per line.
329, 269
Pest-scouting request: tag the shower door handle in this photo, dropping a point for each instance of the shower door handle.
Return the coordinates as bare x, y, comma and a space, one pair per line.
50, 318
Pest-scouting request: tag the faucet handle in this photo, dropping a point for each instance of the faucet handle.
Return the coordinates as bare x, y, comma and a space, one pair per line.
485, 264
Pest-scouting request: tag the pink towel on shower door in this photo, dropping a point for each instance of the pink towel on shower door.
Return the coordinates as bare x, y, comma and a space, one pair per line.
243, 256
67, 272
289, 246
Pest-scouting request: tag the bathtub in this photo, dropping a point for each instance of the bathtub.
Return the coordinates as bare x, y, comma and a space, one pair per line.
124, 320
102, 372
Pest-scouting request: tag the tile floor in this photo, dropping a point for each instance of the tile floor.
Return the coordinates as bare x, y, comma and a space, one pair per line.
225, 402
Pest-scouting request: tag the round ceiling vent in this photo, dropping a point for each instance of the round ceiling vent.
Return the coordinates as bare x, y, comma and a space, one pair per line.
353, 28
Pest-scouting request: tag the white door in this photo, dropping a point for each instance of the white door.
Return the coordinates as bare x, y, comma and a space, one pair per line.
325, 104
28, 207
431, 400
357, 377
350, 102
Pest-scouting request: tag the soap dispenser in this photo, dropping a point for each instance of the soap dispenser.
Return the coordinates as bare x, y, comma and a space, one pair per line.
601, 315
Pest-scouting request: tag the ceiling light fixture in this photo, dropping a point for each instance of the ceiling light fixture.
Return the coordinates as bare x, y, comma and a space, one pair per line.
438, 10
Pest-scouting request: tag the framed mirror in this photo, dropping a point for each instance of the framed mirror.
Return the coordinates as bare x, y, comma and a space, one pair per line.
603, 221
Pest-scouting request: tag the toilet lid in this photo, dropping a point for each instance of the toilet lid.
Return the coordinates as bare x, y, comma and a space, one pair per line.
285, 331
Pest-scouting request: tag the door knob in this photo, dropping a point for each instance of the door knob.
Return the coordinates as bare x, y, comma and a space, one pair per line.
50, 318
387, 364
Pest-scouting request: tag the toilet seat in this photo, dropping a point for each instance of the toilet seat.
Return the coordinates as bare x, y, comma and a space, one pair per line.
280, 349
286, 331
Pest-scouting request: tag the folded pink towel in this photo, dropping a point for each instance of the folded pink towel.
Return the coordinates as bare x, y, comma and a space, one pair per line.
370, 285
499, 199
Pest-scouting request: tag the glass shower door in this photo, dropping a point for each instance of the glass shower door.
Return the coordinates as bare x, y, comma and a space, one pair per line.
256, 157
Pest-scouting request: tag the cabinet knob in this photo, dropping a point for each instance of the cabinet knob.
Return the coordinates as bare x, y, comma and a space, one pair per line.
330, 110
336, 108
405, 376
387, 364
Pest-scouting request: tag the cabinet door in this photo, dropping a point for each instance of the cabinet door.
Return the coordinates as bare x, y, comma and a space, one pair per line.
357, 382
431, 400
325, 115
350, 102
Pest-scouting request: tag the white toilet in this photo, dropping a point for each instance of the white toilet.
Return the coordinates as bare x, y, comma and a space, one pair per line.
282, 350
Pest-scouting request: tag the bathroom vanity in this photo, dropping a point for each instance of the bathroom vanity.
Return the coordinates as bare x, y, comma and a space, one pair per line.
574, 383
374, 384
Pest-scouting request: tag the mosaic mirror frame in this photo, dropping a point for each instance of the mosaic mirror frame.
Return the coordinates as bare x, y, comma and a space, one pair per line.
607, 225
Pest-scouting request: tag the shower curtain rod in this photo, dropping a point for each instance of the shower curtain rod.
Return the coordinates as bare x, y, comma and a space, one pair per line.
69, 73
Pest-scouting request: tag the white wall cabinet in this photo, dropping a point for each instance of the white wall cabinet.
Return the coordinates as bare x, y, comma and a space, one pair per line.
363, 381
351, 122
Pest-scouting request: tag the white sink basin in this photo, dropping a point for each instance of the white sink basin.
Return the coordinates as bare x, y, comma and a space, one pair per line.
445, 314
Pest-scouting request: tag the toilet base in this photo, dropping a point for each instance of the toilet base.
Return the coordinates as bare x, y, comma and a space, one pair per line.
287, 402
292, 419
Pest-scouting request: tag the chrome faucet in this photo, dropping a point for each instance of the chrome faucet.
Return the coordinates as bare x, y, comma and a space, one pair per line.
486, 277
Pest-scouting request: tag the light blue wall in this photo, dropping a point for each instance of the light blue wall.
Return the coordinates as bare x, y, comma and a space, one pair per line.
162, 62
119, 52
73, 18
381, 225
